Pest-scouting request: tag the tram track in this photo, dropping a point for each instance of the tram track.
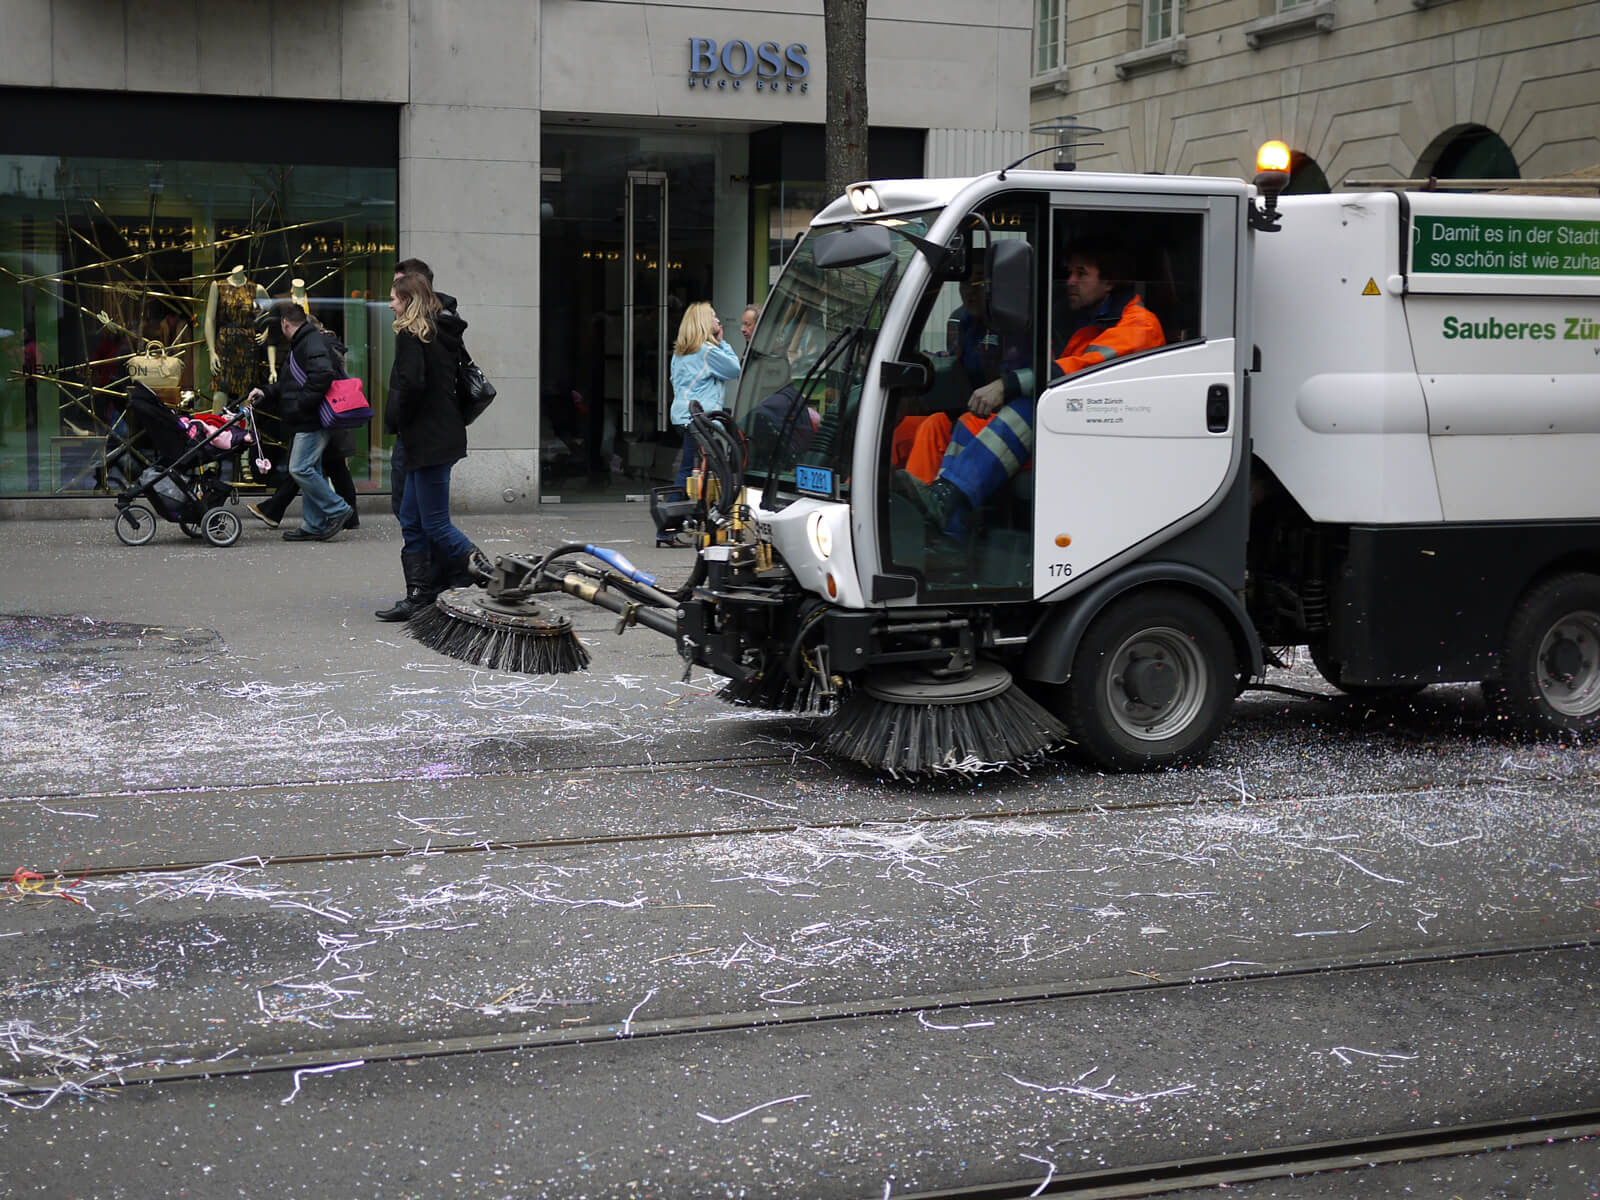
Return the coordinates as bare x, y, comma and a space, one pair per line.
580, 776
1237, 1168
870, 1008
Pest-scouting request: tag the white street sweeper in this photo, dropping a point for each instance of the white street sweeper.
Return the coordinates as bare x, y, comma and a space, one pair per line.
1050, 457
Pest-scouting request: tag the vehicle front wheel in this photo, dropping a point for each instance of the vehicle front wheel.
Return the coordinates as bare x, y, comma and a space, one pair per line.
1550, 667
1151, 683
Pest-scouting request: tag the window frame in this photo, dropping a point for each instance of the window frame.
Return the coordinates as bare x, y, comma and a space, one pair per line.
1056, 44
1154, 14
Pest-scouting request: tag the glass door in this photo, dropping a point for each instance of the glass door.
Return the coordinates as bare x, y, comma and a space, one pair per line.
645, 393
628, 225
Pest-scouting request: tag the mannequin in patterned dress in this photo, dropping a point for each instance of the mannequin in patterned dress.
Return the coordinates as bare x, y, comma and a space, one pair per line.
232, 338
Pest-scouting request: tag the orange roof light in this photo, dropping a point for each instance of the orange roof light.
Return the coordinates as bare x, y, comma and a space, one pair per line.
1273, 156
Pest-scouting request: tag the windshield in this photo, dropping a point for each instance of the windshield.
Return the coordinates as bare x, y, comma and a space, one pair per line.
801, 383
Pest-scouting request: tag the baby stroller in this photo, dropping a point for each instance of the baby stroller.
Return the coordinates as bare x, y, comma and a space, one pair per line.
191, 475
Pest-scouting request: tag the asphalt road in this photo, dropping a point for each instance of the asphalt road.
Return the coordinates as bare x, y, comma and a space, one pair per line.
361, 919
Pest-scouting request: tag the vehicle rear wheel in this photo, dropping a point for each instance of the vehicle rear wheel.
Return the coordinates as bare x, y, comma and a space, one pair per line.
136, 525
221, 526
1151, 683
1550, 666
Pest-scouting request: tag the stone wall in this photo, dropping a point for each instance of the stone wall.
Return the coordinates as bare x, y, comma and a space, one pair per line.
1365, 87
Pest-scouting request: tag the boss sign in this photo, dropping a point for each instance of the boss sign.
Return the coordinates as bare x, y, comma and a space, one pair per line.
765, 68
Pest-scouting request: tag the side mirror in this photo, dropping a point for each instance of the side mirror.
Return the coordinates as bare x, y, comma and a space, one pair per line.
853, 246
1008, 268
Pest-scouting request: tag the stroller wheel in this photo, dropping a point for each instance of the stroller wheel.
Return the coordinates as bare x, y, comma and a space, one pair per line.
192, 529
220, 526
136, 525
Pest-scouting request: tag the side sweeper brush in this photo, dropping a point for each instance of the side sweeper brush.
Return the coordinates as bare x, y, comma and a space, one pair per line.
503, 635
910, 722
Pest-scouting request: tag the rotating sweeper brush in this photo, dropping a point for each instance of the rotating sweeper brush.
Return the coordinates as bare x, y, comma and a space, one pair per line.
500, 634
913, 723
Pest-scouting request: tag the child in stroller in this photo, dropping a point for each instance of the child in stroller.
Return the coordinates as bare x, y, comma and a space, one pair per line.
190, 476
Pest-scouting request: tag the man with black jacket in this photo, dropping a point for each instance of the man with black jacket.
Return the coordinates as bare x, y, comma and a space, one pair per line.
297, 398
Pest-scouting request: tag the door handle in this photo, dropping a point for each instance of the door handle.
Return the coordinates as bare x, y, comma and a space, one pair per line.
1217, 408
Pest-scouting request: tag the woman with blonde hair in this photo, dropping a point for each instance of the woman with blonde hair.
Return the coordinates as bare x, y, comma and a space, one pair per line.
702, 365
423, 414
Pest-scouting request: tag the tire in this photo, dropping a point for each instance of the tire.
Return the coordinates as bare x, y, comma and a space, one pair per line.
221, 526
136, 525
1152, 682
1550, 666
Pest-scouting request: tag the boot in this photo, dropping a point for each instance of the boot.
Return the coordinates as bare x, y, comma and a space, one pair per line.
417, 570
471, 569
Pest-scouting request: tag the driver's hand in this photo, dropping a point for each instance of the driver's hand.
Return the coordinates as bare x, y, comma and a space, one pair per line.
987, 398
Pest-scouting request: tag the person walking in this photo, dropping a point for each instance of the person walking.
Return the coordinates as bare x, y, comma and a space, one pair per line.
424, 415
702, 364
297, 396
335, 464
438, 576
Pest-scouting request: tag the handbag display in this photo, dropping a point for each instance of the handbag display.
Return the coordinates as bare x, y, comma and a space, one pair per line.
159, 371
345, 406
474, 392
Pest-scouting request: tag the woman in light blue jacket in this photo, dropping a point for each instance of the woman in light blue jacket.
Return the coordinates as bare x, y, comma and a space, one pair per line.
702, 365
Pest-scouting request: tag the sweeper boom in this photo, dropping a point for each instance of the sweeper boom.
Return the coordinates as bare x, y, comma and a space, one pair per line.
1368, 425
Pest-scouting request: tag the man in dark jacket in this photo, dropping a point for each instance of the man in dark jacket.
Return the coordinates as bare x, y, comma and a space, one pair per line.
297, 398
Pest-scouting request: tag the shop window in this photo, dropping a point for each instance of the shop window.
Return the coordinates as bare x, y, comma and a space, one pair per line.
162, 268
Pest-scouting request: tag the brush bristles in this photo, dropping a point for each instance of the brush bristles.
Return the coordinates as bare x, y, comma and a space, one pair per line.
776, 691
527, 647
916, 739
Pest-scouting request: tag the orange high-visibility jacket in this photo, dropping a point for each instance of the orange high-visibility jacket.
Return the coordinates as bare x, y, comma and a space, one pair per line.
1136, 328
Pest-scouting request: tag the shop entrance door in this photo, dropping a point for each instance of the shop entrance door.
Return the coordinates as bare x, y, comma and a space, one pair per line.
628, 225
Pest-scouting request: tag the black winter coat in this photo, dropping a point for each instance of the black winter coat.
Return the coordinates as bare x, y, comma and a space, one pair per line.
302, 383
422, 395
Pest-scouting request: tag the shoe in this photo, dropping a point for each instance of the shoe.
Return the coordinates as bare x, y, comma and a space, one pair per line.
939, 502
353, 523
255, 511
417, 570
300, 534
335, 526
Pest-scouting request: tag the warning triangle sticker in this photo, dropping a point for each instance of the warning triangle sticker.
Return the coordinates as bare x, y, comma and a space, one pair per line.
1371, 289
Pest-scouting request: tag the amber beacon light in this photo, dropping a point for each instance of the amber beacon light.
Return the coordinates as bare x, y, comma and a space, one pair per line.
1272, 176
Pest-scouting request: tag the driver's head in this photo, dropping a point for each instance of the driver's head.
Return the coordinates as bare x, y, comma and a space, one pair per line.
1094, 268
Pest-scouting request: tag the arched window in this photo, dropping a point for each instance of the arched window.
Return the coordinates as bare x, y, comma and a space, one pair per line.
1467, 152
1305, 176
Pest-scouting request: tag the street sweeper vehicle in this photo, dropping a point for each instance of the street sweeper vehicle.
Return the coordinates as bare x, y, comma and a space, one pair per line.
1046, 458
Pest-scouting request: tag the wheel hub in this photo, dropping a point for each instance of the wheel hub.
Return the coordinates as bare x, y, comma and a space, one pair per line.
1152, 681
1569, 665
1157, 683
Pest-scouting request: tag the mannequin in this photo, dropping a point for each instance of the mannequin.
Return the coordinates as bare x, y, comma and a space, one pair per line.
297, 293
231, 307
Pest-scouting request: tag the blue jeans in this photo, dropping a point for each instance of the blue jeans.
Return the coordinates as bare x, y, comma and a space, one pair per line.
691, 449
320, 505
425, 514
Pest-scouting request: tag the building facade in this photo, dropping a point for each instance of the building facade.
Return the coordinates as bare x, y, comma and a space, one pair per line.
576, 172
1359, 89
